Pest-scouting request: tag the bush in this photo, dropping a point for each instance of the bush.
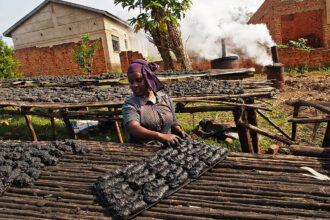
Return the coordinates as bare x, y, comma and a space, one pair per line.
8, 66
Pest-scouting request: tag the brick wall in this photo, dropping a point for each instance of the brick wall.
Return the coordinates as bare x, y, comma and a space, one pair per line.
126, 57
303, 25
56, 60
295, 58
251, 64
309, 18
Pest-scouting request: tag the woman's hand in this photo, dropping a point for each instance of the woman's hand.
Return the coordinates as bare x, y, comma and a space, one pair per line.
170, 139
181, 133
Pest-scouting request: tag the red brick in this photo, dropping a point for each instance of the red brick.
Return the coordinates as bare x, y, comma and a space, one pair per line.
55, 60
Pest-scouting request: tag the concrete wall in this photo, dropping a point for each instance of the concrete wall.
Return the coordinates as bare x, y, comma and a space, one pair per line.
57, 24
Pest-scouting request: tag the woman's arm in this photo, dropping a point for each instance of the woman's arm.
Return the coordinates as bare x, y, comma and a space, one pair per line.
136, 130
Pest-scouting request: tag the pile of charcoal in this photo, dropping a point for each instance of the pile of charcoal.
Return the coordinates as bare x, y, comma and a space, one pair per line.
65, 94
204, 87
64, 79
133, 188
22, 163
166, 73
116, 93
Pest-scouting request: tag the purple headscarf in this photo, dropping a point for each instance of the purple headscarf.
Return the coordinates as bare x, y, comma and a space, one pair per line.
147, 70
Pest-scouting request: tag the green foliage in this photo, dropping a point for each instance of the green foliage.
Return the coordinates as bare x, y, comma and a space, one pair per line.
8, 66
300, 44
155, 13
85, 52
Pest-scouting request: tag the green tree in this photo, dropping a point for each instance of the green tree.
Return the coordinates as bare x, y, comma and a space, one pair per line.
8, 66
160, 19
85, 52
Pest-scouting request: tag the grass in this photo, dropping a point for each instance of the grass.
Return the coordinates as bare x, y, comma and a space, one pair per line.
17, 128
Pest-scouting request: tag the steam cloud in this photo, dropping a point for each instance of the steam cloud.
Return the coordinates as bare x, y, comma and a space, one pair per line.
210, 21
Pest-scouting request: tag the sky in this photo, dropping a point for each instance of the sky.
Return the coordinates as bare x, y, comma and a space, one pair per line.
205, 23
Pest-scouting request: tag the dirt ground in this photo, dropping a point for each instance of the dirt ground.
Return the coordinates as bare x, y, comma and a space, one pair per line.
313, 87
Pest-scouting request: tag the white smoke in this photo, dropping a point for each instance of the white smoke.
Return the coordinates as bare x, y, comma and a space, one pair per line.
248, 41
209, 21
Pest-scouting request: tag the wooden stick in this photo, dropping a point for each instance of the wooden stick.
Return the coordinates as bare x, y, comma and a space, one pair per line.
273, 124
266, 133
318, 106
52, 120
326, 140
118, 127
310, 120
252, 119
182, 109
68, 124
244, 135
30, 126
309, 151
232, 104
294, 125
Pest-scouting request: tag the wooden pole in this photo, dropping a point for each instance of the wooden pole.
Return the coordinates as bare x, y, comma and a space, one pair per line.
309, 151
310, 120
68, 124
323, 107
233, 104
252, 119
294, 124
118, 127
183, 109
273, 124
52, 121
29, 124
244, 135
266, 133
326, 140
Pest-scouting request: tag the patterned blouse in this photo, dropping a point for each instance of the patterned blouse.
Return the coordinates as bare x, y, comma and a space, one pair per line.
158, 116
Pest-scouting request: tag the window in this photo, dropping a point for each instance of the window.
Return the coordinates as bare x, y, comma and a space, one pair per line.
115, 43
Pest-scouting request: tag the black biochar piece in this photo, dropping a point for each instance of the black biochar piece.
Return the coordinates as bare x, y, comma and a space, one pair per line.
23, 180
197, 170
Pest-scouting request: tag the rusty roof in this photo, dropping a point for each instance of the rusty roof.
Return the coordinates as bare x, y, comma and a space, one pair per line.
244, 186
8, 32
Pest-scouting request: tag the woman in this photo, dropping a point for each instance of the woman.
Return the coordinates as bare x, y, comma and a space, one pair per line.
148, 114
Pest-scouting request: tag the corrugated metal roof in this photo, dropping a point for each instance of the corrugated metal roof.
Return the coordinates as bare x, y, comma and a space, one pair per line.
8, 32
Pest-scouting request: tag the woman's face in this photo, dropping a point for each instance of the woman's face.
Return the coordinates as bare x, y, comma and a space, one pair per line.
137, 83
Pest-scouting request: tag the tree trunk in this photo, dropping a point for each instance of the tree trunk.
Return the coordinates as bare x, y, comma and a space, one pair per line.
160, 40
177, 47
